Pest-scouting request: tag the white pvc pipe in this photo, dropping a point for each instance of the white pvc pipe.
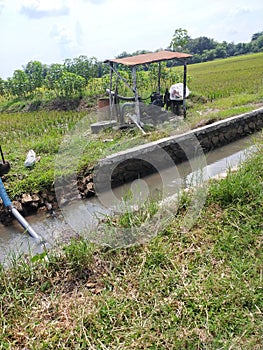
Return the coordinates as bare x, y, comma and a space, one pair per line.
25, 225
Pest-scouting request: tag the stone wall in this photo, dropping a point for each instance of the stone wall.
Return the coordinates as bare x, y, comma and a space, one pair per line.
140, 161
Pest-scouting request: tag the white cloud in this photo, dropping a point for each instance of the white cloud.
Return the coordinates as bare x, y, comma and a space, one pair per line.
239, 10
105, 28
65, 39
47, 8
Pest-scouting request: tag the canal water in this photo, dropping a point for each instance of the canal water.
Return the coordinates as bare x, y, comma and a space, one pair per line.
57, 229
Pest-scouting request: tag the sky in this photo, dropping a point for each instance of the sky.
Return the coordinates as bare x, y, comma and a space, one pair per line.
51, 31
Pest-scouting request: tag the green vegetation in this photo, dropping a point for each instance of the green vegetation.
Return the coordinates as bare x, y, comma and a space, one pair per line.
220, 89
239, 76
78, 76
44, 132
41, 132
225, 88
196, 289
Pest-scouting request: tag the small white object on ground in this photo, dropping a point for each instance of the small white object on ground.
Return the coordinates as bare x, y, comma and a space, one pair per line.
30, 159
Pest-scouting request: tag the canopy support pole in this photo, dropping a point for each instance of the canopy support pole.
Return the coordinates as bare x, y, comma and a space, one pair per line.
110, 95
184, 90
159, 78
136, 96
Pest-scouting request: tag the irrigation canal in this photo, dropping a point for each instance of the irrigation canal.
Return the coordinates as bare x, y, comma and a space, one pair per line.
56, 230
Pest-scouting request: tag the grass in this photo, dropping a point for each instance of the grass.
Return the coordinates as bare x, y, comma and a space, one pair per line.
224, 88
226, 77
41, 132
45, 133
196, 289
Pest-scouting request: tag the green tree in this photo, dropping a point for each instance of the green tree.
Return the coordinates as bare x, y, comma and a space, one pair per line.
220, 51
242, 48
34, 71
53, 76
256, 36
2, 87
8, 87
64, 83
199, 45
230, 48
71, 84
19, 83
257, 44
208, 55
83, 66
180, 40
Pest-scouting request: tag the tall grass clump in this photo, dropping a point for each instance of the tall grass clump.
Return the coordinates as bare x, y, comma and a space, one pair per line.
242, 187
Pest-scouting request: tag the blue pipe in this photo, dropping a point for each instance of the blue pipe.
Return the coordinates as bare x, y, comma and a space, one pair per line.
8, 204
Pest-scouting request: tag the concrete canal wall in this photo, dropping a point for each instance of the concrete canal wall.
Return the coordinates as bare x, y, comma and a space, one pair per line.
140, 161
143, 160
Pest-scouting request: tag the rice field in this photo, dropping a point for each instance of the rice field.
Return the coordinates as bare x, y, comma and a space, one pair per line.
228, 77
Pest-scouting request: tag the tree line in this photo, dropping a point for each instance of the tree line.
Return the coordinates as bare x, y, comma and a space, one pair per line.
62, 80
72, 77
205, 49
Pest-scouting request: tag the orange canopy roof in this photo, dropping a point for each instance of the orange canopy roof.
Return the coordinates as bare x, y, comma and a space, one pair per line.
150, 58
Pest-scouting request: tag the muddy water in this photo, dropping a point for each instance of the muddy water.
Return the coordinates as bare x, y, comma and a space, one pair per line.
56, 230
